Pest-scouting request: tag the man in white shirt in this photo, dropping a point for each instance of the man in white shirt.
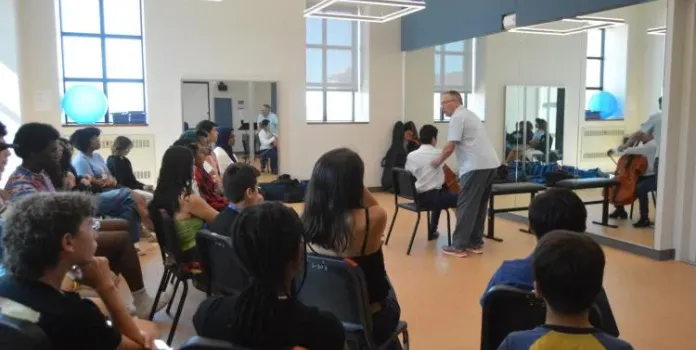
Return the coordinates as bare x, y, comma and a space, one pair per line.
268, 147
477, 163
650, 130
646, 183
272, 118
430, 180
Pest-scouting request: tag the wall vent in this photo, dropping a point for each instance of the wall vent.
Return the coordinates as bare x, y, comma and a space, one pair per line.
143, 175
596, 141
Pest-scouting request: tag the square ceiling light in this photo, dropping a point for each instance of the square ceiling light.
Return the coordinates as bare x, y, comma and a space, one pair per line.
658, 31
570, 26
376, 11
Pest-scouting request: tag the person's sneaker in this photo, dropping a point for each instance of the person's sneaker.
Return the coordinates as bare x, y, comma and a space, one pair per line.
455, 252
619, 213
642, 222
143, 309
475, 250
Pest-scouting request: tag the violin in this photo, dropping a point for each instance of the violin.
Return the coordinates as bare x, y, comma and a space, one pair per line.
629, 169
451, 179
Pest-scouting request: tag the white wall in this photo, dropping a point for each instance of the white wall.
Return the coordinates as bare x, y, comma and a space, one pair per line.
226, 40
10, 112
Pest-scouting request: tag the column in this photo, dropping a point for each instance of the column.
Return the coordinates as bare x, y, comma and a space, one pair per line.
676, 214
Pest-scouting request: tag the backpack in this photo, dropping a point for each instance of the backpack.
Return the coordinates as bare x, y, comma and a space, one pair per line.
284, 189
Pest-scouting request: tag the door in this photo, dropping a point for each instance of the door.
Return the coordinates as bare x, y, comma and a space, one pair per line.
223, 112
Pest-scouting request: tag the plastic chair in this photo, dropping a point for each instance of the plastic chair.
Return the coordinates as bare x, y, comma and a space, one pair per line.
405, 187
18, 334
338, 286
219, 267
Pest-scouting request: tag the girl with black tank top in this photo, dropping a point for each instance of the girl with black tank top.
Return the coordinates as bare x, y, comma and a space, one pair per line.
335, 203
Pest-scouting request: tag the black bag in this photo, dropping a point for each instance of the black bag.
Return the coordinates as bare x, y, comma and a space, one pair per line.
552, 178
395, 157
284, 189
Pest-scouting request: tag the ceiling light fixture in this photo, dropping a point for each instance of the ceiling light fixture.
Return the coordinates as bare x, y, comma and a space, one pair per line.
403, 7
658, 31
588, 23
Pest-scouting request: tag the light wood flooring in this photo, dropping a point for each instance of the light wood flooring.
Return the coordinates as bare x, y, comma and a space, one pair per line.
653, 301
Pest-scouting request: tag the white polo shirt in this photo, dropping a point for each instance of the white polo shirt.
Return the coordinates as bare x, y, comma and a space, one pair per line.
653, 126
427, 177
473, 149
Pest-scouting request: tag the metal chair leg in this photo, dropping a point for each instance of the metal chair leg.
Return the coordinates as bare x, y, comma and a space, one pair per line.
160, 290
179, 309
413, 235
171, 301
449, 229
391, 227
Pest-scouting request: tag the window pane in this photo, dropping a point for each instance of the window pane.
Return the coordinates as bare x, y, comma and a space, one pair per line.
454, 70
126, 97
80, 16
339, 32
594, 43
437, 107
313, 29
339, 106
594, 73
100, 86
314, 66
438, 70
82, 57
315, 106
455, 46
339, 66
122, 17
124, 59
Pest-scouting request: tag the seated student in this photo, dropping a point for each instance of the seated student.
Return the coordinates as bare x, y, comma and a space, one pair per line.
430, 180
207, 187
202, 138
538, 142
211, 129
37, 145
114, 201
46, 235
646, 183
568, 272
121, 168
343, 219
553, 209
242, 191
4, 156
268, 147
223, 148
268, 244
173, 193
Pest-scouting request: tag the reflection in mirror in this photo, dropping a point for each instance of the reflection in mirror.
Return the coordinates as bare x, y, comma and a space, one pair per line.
246, 115
534, 118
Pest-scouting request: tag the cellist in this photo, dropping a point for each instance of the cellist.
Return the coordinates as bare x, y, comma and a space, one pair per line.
646, 183
430, 181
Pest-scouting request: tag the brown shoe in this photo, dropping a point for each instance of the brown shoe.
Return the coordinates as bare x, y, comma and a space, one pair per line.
455, 252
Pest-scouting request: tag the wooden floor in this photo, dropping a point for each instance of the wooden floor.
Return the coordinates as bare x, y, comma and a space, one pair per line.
653, 301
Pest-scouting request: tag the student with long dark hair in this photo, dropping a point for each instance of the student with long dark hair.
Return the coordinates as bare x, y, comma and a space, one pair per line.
223, 148
343, 219
267, 243
174, 194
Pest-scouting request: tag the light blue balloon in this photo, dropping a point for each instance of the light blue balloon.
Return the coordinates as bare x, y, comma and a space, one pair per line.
605, 103
85, 104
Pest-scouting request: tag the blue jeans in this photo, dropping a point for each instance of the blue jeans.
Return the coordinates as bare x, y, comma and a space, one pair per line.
272, 156
118, 203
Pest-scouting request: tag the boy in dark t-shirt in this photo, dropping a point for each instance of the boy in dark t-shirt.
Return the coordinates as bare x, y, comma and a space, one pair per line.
568, 271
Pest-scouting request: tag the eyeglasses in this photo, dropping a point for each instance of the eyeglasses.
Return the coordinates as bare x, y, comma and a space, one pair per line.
445, 102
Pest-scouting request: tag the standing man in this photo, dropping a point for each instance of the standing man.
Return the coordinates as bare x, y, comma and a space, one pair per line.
272, 118
477, 163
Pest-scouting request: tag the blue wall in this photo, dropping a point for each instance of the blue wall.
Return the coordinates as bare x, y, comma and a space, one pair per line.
445, 21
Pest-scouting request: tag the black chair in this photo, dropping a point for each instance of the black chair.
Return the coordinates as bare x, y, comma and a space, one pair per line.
508, 309
175, 267
219, 267
338, 286
18, 334
405, 187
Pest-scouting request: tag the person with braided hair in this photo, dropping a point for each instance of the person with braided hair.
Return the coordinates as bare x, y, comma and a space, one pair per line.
267, 243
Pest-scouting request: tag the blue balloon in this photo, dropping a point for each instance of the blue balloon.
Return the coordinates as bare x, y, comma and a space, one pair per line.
605, 103
85, 104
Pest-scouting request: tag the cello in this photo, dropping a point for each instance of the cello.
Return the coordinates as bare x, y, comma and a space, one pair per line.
629, 168
451, 180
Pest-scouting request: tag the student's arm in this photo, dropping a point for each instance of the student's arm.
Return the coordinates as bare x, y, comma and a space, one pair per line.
200, 209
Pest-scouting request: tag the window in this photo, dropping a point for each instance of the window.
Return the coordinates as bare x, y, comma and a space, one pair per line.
334, 72
594, 75
453, 71
101, 45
